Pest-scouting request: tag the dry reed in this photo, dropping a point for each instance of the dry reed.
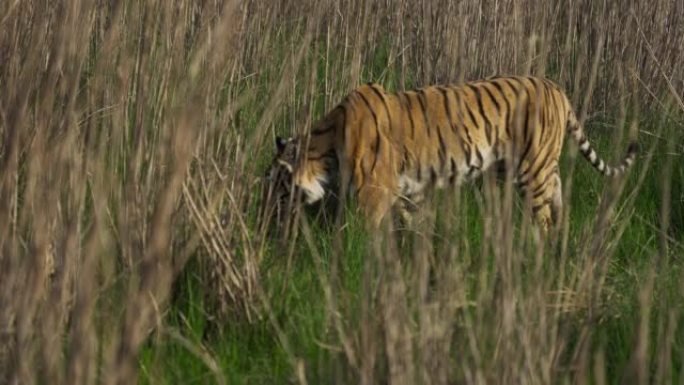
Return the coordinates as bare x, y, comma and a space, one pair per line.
131, 142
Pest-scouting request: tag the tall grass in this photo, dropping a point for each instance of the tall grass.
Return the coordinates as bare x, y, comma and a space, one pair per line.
133, 139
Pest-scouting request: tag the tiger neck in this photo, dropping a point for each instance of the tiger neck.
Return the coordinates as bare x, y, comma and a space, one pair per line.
320, 157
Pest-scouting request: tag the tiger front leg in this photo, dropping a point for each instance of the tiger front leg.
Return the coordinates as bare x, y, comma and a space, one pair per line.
375, 202
407, 206
405, 213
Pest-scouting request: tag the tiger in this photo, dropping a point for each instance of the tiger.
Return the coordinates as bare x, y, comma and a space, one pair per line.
387, 148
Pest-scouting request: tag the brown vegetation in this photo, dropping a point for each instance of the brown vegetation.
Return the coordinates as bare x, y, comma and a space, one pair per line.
131, 141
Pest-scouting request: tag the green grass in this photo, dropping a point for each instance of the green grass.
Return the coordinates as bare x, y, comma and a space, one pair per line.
254, 353
115, 119
299, 328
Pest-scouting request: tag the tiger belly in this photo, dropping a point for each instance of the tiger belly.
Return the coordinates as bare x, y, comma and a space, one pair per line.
453, 173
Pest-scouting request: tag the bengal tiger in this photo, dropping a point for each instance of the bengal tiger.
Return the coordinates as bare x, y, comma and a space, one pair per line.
388, 147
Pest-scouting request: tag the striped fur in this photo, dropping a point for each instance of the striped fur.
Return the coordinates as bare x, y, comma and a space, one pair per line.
386, 146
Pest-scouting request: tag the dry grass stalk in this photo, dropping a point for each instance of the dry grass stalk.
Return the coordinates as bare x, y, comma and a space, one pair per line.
129, 131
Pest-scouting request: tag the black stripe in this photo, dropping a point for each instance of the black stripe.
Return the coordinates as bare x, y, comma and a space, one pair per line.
546, 158
353, 110
505, 118
556, 109
471, 116
581, 143
376, 88
471, 170
541, 165
541, 189
545, 111
527, 130
466, 150
485, 118
384, 102
511, 108
377, 151
497, 107
527, 133
540, 105
442, 149
536, 208
351, 181
511, 82
551, 85
596, 158
461, 117
459, 127
375, 117
423, 108
479, 156
377, 130
353, 173
495, 146
410, 114
405, 160
503, 96
454, 171
539, 168
491, 96
524, 154
447, 106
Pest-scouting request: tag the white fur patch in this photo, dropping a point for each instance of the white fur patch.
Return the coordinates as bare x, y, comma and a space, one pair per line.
601, 166
592, 156
585, 146
313, 189
409, 186
577, 134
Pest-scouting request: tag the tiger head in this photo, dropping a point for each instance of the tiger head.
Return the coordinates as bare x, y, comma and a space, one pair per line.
291, 176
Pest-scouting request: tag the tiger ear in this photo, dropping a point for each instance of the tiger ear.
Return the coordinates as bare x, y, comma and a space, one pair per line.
280, 144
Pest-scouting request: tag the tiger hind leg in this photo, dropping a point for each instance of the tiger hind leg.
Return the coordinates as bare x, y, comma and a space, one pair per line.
557, 201
546, 202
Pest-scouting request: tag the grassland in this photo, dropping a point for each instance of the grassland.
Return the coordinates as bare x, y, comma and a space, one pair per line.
132, 140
